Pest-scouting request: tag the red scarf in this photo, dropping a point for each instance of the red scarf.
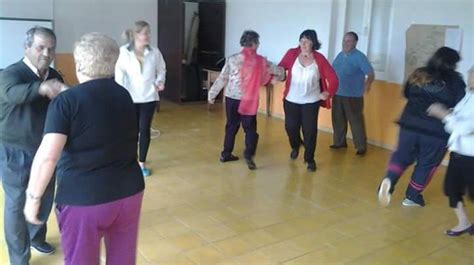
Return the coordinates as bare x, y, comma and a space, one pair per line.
253, 75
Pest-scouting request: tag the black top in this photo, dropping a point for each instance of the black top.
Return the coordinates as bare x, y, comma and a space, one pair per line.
99, 161
448, 92
22, 108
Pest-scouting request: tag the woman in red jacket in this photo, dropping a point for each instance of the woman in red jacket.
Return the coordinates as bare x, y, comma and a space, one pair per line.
310, 83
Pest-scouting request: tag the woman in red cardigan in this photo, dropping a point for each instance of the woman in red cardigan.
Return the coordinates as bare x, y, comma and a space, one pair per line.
310, 83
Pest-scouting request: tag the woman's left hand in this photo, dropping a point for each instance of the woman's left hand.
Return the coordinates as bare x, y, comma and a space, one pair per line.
159, 87
438, 110
324, 95
31, 211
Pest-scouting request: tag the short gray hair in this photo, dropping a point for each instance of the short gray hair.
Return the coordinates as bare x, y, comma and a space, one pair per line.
95, 55
248, 38
37, 30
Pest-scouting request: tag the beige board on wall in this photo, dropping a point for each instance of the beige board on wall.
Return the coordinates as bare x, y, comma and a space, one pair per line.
423, 40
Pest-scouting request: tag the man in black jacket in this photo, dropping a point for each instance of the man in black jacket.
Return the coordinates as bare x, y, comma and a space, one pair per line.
26, 88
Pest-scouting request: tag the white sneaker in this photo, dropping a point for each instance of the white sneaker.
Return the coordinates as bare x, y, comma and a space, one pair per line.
409, 203
384, 192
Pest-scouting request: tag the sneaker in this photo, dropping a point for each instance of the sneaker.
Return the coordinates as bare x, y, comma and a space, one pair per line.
43, 248
146, 172
228, 158
385, 192
411, 203
361, 152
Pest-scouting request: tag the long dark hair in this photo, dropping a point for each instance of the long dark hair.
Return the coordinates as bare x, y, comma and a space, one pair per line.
441, 65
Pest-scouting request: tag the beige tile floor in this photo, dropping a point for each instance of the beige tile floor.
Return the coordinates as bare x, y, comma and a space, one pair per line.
199, 211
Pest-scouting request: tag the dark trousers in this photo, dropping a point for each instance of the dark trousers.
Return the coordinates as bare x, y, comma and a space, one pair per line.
145, 113
349, 109
302, 117
15, 165
459, 178
427, 151
234, 119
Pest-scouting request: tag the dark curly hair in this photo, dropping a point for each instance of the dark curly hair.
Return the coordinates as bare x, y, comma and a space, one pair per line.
313, 36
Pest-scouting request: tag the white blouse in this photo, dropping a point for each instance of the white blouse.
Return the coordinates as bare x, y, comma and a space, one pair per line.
460, 124
139, 80
304, 86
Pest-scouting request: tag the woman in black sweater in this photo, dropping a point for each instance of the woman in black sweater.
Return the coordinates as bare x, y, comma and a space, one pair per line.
422, 138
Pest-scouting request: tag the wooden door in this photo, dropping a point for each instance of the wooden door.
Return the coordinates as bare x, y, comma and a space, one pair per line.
211, 34
170, 43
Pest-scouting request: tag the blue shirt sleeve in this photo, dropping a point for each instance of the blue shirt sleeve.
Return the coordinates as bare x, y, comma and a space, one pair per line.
364, 64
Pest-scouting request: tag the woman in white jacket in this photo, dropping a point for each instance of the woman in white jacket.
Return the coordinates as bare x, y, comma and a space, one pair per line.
459, 180
141, 69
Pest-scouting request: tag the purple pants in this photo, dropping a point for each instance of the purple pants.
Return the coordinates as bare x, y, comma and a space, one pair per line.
82, 228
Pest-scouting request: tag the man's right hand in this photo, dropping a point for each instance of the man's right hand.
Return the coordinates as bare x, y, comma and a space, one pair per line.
51, 88
211, 100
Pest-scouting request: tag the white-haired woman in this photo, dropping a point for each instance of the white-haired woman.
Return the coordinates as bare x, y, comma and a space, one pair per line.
90, 138
141, 69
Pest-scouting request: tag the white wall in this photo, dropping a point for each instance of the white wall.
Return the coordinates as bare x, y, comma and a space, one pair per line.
279, 23
442, 12
355, 18
12, 38
30, 9
73, 18
22, 14
378, 41
338, 23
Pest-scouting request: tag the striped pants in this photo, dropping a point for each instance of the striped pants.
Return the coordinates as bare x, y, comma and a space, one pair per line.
427, 151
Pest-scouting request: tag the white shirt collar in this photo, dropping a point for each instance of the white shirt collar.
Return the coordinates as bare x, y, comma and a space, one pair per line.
34, 69
145, 52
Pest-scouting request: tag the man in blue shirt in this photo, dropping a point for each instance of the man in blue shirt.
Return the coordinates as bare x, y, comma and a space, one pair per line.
355, 75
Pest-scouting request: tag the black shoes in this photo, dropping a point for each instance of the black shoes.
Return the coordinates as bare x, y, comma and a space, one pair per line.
358, 153
43, 248
294, 154
311, 166
361, 152
228, 158
469, 230
335, 146
251, 163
